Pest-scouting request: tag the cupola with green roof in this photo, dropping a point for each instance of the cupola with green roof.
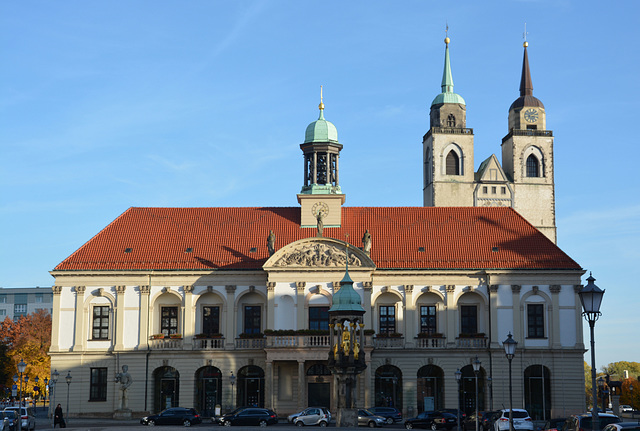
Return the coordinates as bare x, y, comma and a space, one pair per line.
321, 191
448, 109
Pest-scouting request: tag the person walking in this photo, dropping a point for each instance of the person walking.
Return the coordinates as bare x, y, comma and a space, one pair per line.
57, 417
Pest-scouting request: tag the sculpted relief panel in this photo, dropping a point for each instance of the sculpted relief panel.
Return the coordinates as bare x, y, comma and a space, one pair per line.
317, 255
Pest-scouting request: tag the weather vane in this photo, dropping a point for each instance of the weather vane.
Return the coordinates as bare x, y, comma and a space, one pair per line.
446, 30
524, 35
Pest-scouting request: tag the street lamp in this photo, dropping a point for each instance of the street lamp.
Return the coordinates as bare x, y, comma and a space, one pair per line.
21, 367
68, 380
458, 375
603, 392
476, 370
591, 298
36, 379
490, 382
52, 382
510, 351
232, 380
45, 390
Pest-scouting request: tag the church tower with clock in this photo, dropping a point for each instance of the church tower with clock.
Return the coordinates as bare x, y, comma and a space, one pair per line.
524, 180
527, 157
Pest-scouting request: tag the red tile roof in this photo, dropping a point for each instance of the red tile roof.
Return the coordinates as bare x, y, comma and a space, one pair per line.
223, 238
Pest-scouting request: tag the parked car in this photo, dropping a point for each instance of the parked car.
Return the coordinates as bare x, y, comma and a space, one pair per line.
455, 412
626, 408
623, 426
291, 418
554, 424
432, 420
582, 422
485, 420
173, 416
28, 416
391, 414
366, 418
521, 420
252, 416
312, 416
10, 420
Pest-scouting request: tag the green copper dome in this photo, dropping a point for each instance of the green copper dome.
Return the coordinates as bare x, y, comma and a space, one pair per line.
346, 299
321, 130
447, 95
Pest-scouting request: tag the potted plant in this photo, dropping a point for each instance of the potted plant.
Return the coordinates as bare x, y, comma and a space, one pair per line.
175, 336
157, 336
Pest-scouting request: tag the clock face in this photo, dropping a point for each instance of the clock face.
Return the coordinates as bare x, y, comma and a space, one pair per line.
531, 115
320, 207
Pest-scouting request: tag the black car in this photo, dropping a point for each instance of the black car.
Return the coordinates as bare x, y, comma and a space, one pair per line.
432, 420
252, 416
583, 421
11, 418
391, 414
455, 412
485, 421
173, 416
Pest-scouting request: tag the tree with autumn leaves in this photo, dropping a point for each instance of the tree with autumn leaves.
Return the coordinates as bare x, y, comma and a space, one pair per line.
27, 338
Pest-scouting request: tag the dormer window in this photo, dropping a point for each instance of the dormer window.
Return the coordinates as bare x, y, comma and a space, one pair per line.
451, 120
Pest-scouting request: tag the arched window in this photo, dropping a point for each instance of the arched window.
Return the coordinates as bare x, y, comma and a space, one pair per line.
532, 166
453, 163
451, 120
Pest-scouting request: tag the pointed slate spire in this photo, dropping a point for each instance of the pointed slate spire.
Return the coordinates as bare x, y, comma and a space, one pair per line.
526, 87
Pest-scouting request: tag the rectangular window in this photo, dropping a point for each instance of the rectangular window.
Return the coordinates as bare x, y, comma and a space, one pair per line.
210, 320
428, 319
100, 324
98, 385
484, 189
387, 319
493, 190
319, 318
252, 319
20, 309
468, 319
535, 320
3, 312
169, 321
3, 298
503, 190
39, 297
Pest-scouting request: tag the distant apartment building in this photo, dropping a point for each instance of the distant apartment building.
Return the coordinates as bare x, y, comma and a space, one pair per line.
20, 301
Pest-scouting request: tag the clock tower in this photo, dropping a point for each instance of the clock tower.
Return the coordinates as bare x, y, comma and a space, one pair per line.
321, 197
527, 157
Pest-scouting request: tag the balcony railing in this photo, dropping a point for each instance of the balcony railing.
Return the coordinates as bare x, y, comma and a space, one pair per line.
471, 342
388, 342
528, 132
208, 343
165, 343
431, 343
251, 343
317, 340
288, 341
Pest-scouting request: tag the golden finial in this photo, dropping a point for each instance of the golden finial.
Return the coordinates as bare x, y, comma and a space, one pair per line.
524, 36
321, 105
446, 34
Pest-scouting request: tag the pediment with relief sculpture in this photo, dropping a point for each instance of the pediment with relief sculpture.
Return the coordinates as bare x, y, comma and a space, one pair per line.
318, 253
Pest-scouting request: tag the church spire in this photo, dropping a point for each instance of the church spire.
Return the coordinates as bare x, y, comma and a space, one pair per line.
447, 95
526, 87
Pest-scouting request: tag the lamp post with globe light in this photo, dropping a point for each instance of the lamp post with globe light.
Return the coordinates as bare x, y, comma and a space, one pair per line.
232, 380
591, 299
52, 382
458, 375
510, 351
476, 370
22, 366
68, 380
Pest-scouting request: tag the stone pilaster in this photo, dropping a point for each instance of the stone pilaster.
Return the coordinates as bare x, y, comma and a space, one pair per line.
144, 335
231, 312
55, 319
554, 325
300, 287
366, 304
451, 313
271, 306
268, 389
81, 316
579, 336
409, 329
493, 309
518, 321
119, 317
189, 322
302, 396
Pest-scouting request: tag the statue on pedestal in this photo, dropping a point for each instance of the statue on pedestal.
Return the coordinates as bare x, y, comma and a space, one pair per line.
125, 380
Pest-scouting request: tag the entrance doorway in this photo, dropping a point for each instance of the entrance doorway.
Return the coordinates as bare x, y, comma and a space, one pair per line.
167, 388
208, 390
251, 386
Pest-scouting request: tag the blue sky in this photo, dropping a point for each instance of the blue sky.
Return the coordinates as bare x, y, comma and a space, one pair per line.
108, 105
